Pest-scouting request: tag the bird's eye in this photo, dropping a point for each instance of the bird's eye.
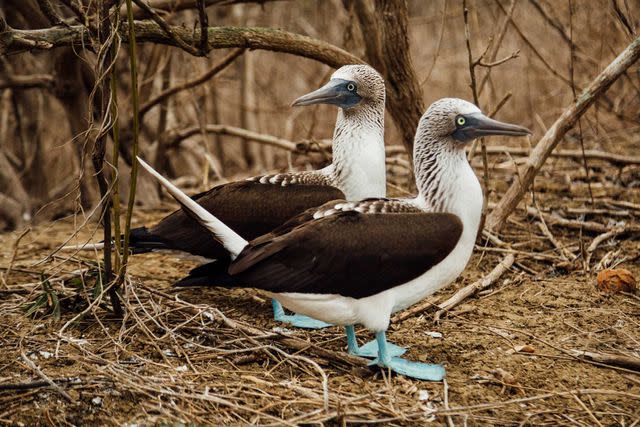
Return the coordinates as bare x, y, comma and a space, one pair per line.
461, 121
351, 87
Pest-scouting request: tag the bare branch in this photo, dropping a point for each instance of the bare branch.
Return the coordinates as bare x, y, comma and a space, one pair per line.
173, 138
476, 286
168, 30
42, 81
16, 41
514, 55
176, 6
496, 219
47, 10
204, 23
226, 61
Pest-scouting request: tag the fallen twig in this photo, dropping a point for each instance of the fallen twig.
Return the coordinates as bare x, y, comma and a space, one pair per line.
476, 286
42, 375
517, 190
628, 362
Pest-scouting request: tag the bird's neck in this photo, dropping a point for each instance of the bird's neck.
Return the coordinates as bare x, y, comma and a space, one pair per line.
447, 183
358, 167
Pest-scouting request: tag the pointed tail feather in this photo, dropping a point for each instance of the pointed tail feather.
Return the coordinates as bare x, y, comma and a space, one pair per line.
209, 274
141, 241
231, 240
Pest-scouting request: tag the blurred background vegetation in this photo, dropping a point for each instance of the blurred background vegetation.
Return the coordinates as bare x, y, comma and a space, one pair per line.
45, 105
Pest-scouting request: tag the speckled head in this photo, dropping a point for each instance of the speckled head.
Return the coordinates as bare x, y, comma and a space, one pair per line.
350, 87
461, 121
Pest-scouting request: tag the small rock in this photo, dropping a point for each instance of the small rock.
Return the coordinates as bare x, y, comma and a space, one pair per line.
182, 368
97, 401
423, 395
45, 354
433, 334
616, 280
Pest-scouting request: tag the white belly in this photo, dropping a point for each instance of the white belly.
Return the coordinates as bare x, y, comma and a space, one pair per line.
375, 311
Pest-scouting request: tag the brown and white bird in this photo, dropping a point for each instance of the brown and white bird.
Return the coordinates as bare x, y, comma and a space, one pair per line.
258, 205
359, 262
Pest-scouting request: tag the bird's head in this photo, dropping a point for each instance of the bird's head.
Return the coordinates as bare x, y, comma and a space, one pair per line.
461, 122
350, 87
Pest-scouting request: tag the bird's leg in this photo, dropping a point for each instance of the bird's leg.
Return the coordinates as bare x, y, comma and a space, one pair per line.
370, 349
297, 320
418, 370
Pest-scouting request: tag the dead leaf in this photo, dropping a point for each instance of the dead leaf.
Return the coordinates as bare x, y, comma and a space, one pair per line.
616, 280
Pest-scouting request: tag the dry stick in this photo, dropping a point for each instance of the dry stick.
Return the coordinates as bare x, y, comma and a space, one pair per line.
565, 254
31, 81
488, 406
177, 6
581, 403
446, 402
14, 253
288, 341
556, 132
616, 159
99, 151
474, 90
471, 289
572, 51
165, 27
202, 78
204, 24
599, 239
628, 362
42, 375
48, 11
531, 46
495, 47
173, 138
575, 224
134, 167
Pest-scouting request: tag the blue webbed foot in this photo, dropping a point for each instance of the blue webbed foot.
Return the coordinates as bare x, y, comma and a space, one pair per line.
302, 321
297, 320
370, 350
418, 370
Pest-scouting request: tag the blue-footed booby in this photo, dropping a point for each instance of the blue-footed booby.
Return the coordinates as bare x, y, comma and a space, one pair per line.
256, 206
358, 262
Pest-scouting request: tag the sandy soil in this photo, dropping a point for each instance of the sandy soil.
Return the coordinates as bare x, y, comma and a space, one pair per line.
174, 361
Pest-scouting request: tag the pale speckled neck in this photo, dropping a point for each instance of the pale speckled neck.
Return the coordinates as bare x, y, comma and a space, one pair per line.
446, 182
358, 167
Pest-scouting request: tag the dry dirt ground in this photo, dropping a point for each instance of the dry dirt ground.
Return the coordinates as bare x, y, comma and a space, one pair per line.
214, 356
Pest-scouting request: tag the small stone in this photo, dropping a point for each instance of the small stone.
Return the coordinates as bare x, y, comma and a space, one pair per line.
616, 280
423, 395
97, 401
182, 368
434, 334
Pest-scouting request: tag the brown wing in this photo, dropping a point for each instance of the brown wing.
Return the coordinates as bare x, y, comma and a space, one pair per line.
250, 208
348, 253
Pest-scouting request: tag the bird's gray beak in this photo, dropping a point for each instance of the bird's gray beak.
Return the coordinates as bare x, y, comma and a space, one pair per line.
327, 94
481, 125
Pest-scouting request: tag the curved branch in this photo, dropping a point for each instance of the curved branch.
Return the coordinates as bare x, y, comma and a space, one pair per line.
28, 81
542, 150
16, 41
226, 61
174, 138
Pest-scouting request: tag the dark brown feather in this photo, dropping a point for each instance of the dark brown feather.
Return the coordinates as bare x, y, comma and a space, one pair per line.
347, 253
250, 208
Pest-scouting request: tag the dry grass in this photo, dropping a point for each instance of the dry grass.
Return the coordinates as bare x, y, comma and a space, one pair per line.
186, 356
213, 356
